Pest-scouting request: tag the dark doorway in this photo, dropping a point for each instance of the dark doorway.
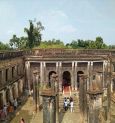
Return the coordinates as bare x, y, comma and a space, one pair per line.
66, 78
50, 73
78, 79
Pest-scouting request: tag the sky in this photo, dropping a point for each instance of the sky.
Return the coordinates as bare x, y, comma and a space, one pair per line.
66, 20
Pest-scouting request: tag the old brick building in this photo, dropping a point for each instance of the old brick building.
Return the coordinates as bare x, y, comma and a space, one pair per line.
17, 68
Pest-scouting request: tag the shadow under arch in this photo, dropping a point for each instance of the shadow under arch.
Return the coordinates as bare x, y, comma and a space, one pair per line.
66, 78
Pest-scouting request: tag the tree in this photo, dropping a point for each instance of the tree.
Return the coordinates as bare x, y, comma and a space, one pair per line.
4, 46
14, 41
34, 34
52, 44
99, 43
18, 43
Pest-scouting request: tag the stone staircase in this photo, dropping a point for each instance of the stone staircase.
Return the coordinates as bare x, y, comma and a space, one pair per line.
75, 100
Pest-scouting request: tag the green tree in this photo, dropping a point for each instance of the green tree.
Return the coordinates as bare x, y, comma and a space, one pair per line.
4, 46
52, 44
34, 34
18, 43
99, 43
14, 42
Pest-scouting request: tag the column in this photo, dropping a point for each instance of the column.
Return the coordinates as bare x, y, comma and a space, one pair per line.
57, 65
104, 72
27, 68
44, 66
60, 76
88, 73
4, 97
41, 73
72, 76
11, 95
49, 109
16, 89
75, 75
91, 73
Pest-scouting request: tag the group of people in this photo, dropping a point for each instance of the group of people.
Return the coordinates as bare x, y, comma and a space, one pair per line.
68, 103
9, 108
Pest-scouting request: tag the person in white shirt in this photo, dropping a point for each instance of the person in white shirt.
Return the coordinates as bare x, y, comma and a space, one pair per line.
71, 106
65, 105
15, 104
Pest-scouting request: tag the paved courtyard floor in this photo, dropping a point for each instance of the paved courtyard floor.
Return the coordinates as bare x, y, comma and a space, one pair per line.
28, 113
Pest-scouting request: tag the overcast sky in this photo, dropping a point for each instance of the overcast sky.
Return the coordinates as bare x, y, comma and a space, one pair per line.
66, 20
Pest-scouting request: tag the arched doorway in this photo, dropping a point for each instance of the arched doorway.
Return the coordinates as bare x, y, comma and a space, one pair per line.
78, 79
49, 77
66, 78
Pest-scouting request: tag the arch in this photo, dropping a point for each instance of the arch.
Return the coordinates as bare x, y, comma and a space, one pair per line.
49, 77
78, 79
66, 78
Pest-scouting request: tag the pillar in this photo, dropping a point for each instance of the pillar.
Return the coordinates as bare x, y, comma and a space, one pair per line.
44, 71
57, 65
16, 89
88, 72
49, 109
27, 68
41, 73
104, 73
11, 94
75, 75
72, 76
60, 76
82, 97
4, 97
91, 72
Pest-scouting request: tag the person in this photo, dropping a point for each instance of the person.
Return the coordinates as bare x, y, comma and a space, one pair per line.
68, 102
71, 99
5, 110
71, 105
15, 104
22, 120
65, 105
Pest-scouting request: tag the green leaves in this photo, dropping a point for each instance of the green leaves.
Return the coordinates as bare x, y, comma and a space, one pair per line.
34, 34
52, 44
88, 44
18, 43
4, 46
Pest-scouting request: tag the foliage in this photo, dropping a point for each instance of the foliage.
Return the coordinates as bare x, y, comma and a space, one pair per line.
87, 44
4, 46
52, 44
34, 34
111, 46
18, 43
